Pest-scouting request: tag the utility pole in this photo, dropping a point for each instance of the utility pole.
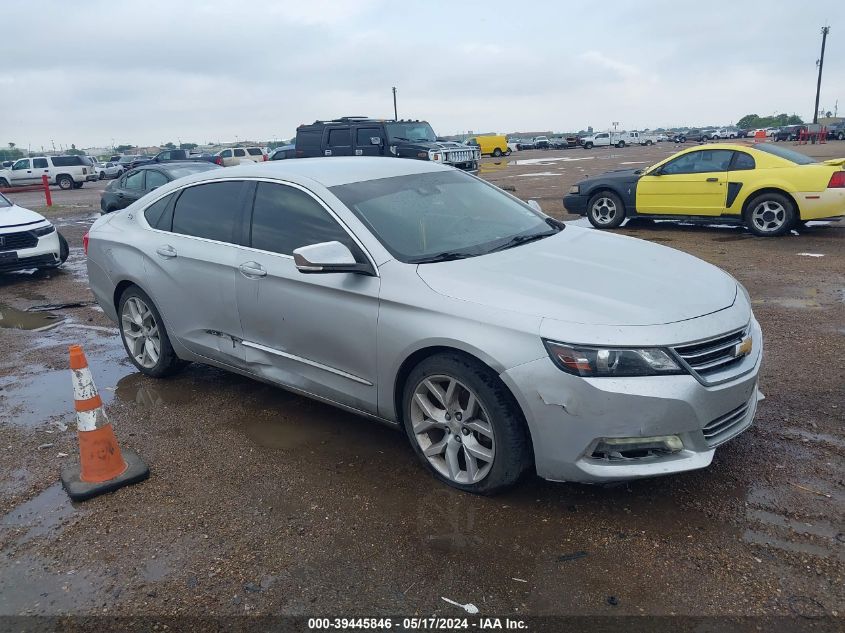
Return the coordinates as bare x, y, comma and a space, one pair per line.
825, 31
395, 112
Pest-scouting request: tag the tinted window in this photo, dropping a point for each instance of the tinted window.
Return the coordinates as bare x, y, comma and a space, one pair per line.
39, 163
240, 152
156, 216
254, 151
164, 156
227, 153
364, 134
308, 139
782, 152
66, 161
285, 218
155, 179
742, 161
135, 180
700, 162
208, 211
340, 137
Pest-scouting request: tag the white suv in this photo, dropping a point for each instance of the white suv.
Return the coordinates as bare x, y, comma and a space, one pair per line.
28, 239
69, 172
238, 155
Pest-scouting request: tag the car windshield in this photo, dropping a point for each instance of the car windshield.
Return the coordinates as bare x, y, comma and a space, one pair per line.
423, 218
788, 154
187, 170
419, 131
4, 201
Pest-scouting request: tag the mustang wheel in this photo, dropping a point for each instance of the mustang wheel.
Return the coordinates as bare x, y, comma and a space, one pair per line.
770, 215
605, 210
144, 335
464, 424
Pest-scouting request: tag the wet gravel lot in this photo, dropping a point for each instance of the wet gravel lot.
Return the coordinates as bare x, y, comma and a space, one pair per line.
262, 502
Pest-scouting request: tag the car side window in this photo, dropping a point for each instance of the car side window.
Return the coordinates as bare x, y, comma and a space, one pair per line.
240, 152
254, 151
39, 163
134, 181
285, 218
21, 164
340, 137
157, 216
155, 179
209, 211
699, 162
364, 135
742, 161
227, 153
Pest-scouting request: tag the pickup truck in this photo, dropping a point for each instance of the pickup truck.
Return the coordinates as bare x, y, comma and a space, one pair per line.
618, 139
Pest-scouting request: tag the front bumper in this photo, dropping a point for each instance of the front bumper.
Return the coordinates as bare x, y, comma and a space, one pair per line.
568, 416
45, 253
575, 203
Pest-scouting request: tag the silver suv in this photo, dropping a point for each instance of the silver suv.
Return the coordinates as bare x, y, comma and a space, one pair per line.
426, 298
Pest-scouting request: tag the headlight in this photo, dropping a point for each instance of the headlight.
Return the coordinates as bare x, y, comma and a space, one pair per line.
581, 360
44, 230
435, 156
575, 189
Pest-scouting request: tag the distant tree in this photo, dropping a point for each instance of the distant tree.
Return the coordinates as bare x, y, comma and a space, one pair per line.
794, 120
124, 148
187, 145
169, 145
750, 121
11, 153
74, 152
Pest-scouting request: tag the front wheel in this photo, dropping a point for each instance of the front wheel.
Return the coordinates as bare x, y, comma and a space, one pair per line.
770, 215
605, 210
4, 183
497, 152
144, 336
464, 424
588, 145
102, 176
620, 144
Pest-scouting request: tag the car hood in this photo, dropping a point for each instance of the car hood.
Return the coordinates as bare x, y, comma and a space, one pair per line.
17, 216
584, 276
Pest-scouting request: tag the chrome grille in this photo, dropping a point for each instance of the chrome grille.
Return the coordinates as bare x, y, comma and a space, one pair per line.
713, 355
459, 156
725, 427
16, 241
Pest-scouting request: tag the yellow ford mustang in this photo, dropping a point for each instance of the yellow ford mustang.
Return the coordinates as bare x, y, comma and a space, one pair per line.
768, 188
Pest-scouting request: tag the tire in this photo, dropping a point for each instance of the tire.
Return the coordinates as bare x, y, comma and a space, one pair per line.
497, 152
499, 429
588, 145
605, 210
65, 182
620, 144
102, 176
4, 183
682, 139
648, 142
135, 305
119, 173
770, 214
840, 136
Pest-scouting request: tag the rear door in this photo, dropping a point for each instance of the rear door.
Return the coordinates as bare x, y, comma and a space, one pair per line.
314, 332
240, 156
131, 188
338, 141
365, 141
694, 183
192, 269
40, 167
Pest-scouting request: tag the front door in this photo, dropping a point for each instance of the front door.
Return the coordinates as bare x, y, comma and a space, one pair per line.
693, 184
338, 142
193, 262
313, 332
21, 173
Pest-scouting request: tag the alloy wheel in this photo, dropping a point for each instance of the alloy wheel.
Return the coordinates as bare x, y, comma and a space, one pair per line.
453, 429
768, 216
604, 210
141, 332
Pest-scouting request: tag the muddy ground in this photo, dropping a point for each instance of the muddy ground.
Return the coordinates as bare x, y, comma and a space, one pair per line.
262, 502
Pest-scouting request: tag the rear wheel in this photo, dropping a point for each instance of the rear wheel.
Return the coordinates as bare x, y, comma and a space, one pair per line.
605, 210
102, 176
770, 215
620, 144
464, 425
65, 182
144, 335
497, 152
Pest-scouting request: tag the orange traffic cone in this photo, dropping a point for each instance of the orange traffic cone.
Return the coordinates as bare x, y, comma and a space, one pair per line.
102, 466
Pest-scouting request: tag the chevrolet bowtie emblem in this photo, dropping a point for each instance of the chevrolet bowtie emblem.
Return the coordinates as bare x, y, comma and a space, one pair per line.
744, 348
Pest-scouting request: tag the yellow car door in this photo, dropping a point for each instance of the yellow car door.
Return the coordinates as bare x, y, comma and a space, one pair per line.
694, 183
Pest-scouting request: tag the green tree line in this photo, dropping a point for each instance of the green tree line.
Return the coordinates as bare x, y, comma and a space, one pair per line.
750, 121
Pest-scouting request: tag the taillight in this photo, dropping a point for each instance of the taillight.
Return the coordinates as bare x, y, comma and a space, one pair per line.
85, 244
265, 157
837, 180
218, 160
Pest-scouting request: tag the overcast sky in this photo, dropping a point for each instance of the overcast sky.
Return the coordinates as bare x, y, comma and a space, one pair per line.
206, 70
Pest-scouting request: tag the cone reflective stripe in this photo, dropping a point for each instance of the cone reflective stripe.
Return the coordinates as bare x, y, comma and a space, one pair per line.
102, 465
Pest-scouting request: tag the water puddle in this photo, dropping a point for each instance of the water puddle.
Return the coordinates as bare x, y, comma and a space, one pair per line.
788, 302
22, 320
149, 393
41, 516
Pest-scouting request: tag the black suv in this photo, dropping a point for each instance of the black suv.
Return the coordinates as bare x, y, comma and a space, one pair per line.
362, 136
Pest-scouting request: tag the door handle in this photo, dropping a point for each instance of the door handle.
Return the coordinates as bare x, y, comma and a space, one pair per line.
712, 180
253, 270
166, 251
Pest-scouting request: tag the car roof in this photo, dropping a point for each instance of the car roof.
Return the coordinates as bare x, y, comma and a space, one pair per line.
327, 171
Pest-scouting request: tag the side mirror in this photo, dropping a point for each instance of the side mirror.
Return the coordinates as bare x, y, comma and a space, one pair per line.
535, 205
328, 257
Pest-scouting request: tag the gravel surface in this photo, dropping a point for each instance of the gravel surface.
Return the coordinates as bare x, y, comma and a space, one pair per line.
262, 502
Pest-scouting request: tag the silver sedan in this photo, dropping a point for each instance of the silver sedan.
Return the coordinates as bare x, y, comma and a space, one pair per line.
499, 339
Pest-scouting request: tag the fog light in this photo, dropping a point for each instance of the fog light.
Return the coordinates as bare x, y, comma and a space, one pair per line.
637, 447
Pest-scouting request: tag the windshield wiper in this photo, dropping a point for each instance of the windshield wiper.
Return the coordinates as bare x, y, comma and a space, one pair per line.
445, 256
518, 240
